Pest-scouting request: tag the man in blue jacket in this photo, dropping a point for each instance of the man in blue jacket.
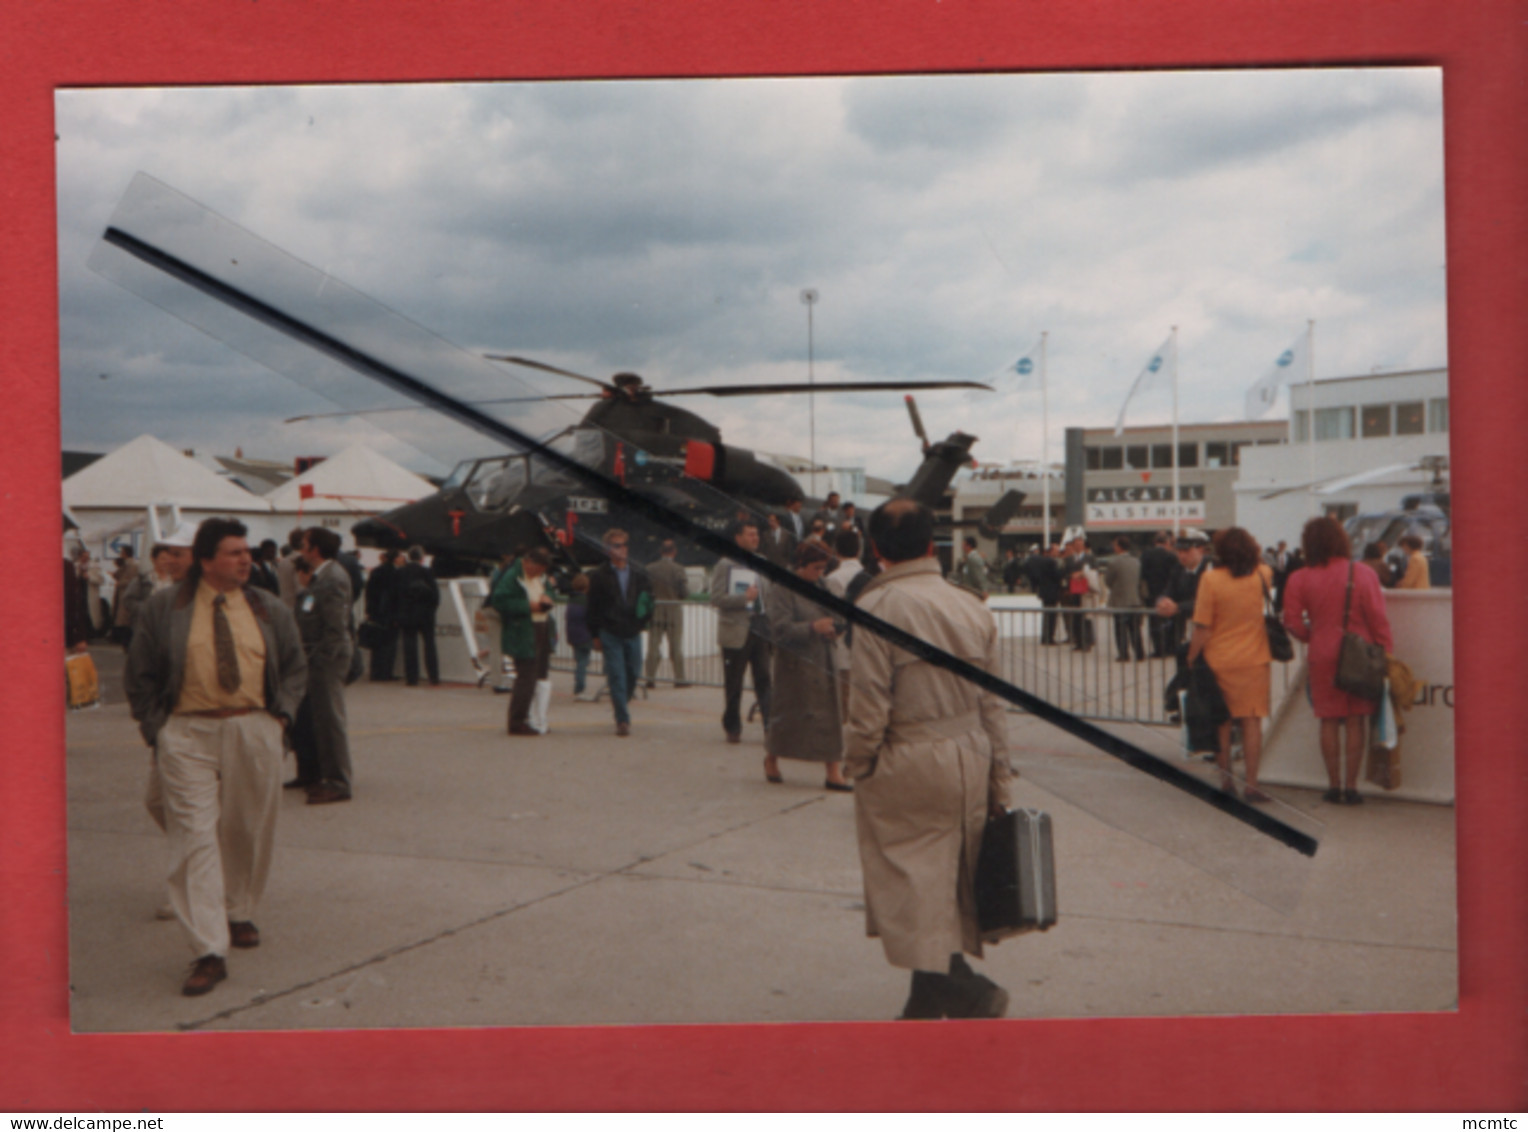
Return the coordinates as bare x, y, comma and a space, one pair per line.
620, 606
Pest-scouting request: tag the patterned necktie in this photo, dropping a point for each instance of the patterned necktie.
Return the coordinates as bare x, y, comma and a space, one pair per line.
222, 642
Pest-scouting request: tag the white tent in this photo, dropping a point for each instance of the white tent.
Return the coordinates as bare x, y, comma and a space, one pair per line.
110, 498
345, 488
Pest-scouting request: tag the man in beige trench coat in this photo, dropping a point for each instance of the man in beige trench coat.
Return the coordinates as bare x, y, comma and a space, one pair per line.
928, 753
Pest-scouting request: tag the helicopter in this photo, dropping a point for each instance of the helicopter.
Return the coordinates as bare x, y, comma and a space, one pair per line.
1426, 514
494, 504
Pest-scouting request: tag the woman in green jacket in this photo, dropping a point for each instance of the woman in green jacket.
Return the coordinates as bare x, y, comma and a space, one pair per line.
524, 605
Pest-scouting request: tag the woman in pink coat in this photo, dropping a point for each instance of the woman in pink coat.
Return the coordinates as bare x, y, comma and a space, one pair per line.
1313, 611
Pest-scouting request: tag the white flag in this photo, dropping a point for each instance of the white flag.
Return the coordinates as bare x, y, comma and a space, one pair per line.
1153, 376
1028, 370
1289, 367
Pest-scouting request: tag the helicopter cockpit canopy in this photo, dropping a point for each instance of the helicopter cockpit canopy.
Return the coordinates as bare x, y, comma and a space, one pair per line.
494, 484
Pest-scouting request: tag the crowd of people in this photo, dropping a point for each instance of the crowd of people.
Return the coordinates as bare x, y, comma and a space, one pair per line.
235, 655
1205, 602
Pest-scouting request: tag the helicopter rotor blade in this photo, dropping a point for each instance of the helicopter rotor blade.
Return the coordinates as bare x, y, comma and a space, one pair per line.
912, 411
532, 364
415, 408
819, 387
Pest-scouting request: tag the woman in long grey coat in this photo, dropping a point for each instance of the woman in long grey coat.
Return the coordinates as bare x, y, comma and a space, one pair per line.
804, 721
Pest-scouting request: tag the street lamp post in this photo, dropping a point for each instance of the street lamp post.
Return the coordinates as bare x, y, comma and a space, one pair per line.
809, 297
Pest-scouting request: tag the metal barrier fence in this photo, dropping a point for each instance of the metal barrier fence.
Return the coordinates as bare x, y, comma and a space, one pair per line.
1092, 683
697, 644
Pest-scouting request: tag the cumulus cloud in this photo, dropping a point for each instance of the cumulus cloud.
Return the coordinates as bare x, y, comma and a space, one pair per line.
669, 227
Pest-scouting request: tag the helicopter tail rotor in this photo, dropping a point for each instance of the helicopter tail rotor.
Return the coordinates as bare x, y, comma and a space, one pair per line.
918, 429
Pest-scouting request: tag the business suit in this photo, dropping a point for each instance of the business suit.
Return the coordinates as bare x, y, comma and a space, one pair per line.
1158, 565
1044, 574
1122, 580
742, 632
671, 586
778, 545
327, 624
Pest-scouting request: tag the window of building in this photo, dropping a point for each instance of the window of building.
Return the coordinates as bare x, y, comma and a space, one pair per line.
1113, 458
1217, 454
1161, 455
1188, 455
1334, 424
1410, 418
1301, 425
1376, 420
1437, 415
1135, 456
1091, 459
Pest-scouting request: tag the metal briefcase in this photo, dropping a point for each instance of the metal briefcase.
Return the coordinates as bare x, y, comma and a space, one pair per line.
1016, 875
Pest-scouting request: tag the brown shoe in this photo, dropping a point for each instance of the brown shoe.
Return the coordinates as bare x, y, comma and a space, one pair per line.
734, 737
298, 784
523, 729
243, 933
206, 973
623, 729
324, 794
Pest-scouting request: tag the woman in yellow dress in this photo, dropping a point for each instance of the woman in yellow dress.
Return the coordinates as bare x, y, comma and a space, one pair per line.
1229, 631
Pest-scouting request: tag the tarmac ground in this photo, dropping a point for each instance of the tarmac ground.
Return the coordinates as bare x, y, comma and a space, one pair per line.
479, 879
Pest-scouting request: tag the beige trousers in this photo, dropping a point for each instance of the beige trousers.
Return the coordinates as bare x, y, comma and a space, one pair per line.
222, 790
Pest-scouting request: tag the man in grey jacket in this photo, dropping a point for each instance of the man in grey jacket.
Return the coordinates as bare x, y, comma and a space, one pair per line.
1122, 583
326, 619
671, 586
742, 631
214, 674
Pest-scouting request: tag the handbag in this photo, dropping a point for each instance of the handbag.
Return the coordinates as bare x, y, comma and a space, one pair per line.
1280, 647
83, 681
1361, 665
371, 635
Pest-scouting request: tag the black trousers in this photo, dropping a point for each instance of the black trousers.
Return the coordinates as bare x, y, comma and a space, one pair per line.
735, 662
1079, 625
411, 635
1049, 619
1127, 636
528, 671
1161, 630
384, 658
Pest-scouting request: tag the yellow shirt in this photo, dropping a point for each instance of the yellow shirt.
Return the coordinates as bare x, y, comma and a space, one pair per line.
1417, 576
200, 691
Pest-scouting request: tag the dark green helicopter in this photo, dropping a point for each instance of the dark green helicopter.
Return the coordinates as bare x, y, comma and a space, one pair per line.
502, 503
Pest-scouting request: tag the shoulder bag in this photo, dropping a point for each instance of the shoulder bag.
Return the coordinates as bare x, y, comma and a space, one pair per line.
1361, 666
1279, 644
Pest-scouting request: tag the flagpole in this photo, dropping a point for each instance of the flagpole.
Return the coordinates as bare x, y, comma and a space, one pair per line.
1045, 519
1177, 497
1310, 408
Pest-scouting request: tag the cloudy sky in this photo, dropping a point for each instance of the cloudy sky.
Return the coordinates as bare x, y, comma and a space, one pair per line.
670, 227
